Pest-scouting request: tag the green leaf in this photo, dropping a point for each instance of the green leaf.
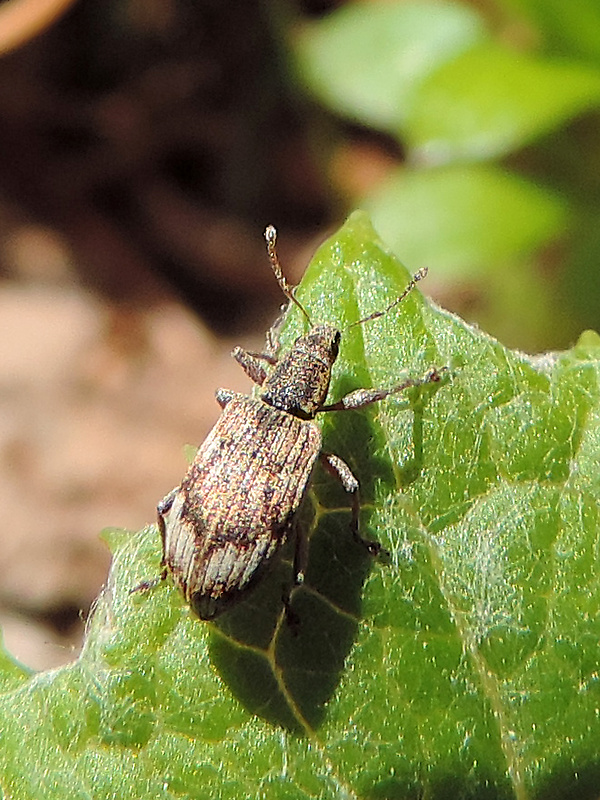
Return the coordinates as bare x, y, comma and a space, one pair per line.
489, 101
478, 227
463, 219
465, 664
367, 60
12, 674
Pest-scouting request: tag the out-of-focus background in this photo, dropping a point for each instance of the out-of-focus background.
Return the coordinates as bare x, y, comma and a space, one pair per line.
144, 146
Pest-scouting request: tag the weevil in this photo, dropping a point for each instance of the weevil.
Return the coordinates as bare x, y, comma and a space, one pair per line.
239, 501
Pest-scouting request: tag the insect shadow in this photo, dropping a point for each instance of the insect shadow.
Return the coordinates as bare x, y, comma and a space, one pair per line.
287, 672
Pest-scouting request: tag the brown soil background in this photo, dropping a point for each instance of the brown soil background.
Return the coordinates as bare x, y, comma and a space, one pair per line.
144, 146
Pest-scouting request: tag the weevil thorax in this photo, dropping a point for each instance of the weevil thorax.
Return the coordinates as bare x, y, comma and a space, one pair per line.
300, 381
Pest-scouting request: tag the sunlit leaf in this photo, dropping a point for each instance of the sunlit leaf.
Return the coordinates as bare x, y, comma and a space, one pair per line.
465, 664
490, 101
463, 219
367, 60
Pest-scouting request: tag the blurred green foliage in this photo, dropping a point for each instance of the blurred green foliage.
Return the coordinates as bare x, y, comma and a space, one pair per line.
495, 107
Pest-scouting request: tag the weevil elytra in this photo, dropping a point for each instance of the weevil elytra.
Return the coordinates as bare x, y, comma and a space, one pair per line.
239, 500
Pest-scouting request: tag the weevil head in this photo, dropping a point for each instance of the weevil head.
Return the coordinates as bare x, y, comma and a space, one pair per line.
300, 381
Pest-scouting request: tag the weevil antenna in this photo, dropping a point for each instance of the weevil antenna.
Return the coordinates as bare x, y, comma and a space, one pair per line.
418, 276
271, 238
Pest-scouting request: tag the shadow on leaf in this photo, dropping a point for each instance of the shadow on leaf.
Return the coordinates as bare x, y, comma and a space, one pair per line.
285, 672
286, 667
568, 782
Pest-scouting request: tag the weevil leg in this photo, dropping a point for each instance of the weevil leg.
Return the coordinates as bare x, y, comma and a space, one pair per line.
337, 467
300, 555
250, 363
365, 397
299, 567
272, 335
162, 508
223, 397
145, 586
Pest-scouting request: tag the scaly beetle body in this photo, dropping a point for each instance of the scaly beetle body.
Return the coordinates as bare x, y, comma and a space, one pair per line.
240, 498
237, 503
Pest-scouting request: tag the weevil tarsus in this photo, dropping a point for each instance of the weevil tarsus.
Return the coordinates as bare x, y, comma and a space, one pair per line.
272, 335
162, 508
223, 396
251, 363
300, 555
360, 398
338, 468
299, 570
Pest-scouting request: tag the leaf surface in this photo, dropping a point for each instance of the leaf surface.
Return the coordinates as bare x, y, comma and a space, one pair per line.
368, 61
465, 664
